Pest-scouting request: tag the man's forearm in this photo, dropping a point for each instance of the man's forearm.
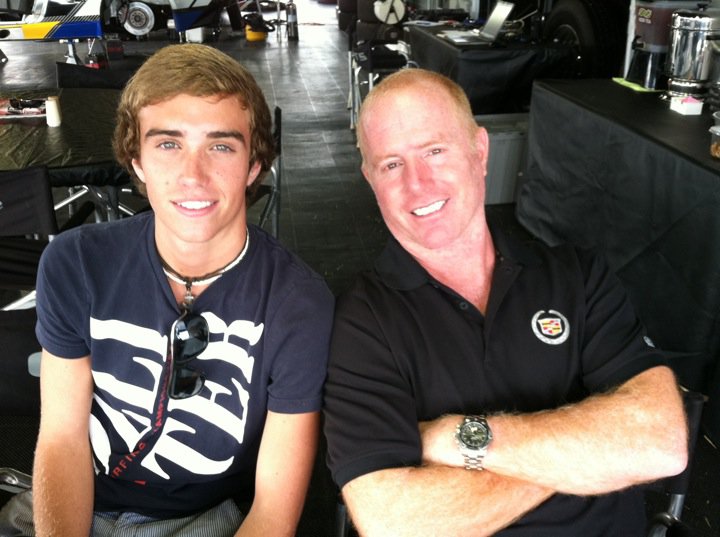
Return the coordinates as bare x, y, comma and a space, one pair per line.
438, 500
282, 475
62, 492
605, 443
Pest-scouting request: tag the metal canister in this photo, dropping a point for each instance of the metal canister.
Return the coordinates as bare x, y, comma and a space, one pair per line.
693, 51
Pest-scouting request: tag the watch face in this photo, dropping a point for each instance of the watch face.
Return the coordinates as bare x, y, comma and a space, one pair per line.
474, 434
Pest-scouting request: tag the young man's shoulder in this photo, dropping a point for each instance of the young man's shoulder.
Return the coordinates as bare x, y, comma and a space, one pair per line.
103, 242
113, 231
270, 251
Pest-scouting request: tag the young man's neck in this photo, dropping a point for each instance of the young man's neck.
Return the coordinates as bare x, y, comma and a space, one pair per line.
195, 260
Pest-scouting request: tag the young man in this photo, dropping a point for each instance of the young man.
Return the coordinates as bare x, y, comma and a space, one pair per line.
184, 350
477, 385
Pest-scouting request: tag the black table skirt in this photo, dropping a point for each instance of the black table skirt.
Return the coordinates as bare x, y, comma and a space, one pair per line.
617, 170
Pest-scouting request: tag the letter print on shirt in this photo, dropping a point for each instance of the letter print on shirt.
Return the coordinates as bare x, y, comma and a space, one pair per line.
118, 430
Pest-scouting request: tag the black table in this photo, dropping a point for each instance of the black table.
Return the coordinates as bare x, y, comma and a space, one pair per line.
84, 137
497, 79
618, 170
79, 151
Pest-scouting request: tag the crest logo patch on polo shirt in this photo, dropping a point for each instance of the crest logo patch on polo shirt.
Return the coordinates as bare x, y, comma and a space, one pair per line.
550, 327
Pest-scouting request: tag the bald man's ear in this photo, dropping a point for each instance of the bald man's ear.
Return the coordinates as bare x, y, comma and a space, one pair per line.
482, 144
482, 139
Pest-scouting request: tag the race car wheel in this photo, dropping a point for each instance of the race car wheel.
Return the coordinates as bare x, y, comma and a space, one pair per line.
138, 19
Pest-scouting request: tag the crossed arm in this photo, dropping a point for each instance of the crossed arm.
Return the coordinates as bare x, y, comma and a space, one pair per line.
635, 433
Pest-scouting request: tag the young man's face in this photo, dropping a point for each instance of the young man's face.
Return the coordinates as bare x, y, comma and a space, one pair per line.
195, 162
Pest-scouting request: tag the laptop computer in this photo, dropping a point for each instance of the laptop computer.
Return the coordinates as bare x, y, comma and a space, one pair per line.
489, 33
494, 24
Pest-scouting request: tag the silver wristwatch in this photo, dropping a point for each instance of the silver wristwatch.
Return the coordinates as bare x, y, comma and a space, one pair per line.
473, 436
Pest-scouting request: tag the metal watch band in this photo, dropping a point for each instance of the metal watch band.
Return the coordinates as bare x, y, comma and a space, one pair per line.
473, 457
473, 462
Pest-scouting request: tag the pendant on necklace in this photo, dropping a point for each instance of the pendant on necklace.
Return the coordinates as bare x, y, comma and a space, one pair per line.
189, 298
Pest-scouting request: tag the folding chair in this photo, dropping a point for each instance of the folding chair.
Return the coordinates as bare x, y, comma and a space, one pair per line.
374, 59
375, 48
343, 526
19, 400
103, 184
27, 223
271, 209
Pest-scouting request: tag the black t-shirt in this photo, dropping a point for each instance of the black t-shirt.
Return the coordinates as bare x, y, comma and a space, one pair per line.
102, 292
558, 327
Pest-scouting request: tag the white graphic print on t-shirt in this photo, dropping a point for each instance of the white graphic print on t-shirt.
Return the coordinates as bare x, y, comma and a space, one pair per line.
132, 426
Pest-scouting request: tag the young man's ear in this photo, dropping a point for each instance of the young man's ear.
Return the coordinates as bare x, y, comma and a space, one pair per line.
138, 169
253, 173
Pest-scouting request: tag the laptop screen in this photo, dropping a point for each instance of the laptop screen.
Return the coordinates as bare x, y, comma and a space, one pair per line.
495, 21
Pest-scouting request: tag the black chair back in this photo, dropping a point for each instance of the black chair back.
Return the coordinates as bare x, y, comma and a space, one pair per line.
26, 203
19, 392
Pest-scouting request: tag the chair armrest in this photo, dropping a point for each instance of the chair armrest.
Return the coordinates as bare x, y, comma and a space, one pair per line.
14, 481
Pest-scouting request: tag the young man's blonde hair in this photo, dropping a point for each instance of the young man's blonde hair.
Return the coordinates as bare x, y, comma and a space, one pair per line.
197, 70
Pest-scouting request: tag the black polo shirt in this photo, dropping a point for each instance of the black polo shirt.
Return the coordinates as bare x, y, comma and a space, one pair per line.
405, 348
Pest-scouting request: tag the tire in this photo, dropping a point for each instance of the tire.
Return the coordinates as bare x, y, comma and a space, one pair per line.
138, 19
372, 31
594, 30
366, 11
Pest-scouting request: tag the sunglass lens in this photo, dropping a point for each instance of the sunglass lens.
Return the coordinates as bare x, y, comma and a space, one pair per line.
191, 338
185, 383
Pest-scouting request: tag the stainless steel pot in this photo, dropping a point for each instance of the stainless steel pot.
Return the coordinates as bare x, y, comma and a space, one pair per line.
693, 51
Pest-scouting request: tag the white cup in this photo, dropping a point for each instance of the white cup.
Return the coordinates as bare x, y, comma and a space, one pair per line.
52, 111
716, 117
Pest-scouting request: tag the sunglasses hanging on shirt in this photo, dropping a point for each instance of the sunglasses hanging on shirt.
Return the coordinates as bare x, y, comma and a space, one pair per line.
189, 336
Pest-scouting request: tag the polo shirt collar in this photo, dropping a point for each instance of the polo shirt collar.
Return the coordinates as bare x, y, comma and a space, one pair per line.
399, 270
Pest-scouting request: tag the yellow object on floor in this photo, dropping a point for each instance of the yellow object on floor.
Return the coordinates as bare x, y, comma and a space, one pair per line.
252, 35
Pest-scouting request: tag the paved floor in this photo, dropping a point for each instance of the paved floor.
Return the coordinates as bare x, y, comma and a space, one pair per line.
328, 213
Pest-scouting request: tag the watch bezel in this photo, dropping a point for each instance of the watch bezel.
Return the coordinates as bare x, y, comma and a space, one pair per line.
468, 431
